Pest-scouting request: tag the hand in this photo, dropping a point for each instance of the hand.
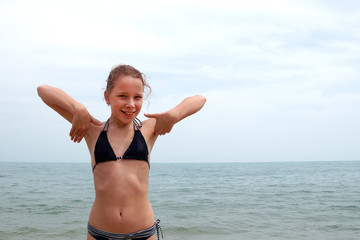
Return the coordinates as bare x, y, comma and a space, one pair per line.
81, 124
164, 122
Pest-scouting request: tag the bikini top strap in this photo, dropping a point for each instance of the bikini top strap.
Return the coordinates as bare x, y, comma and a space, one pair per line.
137, 124
106, 126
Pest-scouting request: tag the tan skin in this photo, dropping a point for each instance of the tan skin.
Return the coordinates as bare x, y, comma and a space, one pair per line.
121, 187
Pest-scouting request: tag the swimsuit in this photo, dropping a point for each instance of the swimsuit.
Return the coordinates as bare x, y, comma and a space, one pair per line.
140, 235
137, 150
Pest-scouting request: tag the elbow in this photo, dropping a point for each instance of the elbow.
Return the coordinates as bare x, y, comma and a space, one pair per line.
202, 99
41, 90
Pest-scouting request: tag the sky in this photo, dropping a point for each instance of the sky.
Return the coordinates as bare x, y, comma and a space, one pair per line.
281, 78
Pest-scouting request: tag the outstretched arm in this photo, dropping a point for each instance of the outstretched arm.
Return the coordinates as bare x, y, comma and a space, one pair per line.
166, 120
70, 109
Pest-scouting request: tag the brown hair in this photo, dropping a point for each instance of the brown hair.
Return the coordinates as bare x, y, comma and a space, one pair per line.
126, 70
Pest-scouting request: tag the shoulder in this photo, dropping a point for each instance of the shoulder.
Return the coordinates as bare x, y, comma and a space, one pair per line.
93, 133
148, 126
148, 123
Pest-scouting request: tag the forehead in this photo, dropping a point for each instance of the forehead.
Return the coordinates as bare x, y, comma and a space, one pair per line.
128, 84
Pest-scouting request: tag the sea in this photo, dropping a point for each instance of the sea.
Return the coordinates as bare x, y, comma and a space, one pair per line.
194, 201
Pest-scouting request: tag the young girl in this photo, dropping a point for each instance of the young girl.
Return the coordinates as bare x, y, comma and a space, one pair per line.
119, 150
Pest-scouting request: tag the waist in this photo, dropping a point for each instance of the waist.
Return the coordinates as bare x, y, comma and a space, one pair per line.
121, 218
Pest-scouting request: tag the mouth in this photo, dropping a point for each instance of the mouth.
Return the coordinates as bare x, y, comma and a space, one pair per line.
127, 113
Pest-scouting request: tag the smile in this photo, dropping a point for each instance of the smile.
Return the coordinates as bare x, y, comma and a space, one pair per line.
127, 113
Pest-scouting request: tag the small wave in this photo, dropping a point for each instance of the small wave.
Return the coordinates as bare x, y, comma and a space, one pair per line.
21, 231
348, 207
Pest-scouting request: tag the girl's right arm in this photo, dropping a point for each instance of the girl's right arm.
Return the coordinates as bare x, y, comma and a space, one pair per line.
70, 109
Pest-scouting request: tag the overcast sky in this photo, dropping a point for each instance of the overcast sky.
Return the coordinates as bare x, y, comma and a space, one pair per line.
282, 78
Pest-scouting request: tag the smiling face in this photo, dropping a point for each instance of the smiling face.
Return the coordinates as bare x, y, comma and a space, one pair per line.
125, 98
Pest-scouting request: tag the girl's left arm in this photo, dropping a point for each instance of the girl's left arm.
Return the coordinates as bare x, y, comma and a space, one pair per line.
166, 120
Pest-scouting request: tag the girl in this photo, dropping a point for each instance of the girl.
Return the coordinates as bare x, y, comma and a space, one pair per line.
119, 150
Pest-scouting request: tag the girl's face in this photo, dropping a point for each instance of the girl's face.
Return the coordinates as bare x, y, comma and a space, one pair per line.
125, 98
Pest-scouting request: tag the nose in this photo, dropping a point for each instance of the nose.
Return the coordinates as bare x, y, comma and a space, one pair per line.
130, 103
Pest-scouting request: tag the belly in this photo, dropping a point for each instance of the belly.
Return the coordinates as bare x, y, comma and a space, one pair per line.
121, 197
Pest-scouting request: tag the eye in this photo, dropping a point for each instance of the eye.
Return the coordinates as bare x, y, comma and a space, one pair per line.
138, 97
122, 96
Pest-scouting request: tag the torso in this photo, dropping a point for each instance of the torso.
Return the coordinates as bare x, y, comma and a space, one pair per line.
121, 187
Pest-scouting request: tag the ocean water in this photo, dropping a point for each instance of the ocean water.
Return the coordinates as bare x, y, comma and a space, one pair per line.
241, 201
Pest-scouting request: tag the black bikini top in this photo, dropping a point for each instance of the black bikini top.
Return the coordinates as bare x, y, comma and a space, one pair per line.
137, 150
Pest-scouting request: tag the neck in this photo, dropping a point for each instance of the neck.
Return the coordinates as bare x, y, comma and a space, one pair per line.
118, 124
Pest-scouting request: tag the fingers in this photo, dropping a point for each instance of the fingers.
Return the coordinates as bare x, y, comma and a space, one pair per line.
162, 130
95, 121
72, 133
79, 129
163, 123
151, 115
77, 134
78, 137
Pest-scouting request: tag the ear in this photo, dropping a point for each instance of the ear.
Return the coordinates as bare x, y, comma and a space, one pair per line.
106, 96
